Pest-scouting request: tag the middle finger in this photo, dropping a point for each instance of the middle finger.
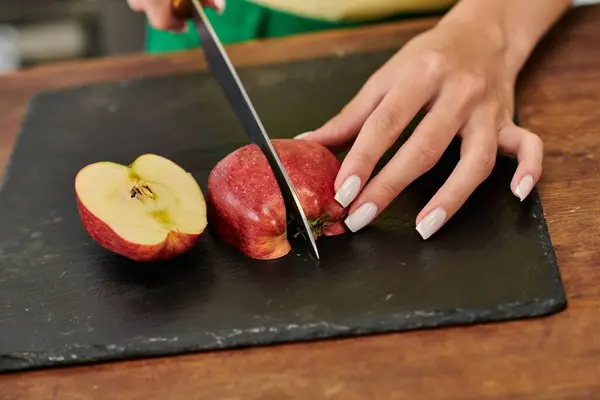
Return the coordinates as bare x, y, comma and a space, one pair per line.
382, 129
419, 154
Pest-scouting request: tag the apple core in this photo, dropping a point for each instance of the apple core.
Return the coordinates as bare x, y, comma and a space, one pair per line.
150, 210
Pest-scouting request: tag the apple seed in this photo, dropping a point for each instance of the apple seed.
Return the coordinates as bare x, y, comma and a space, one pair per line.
141, 191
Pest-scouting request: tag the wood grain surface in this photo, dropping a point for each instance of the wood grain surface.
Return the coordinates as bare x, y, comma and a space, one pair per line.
556, 357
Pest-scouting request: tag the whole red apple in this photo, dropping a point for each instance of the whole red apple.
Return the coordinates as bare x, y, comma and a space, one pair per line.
246, 208
151, 210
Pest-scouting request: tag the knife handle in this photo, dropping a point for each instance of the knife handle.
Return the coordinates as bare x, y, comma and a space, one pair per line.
182, 9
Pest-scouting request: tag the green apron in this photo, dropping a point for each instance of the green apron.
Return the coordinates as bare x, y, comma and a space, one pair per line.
242, 21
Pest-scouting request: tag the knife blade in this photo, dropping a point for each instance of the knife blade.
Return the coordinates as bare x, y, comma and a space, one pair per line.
231, 85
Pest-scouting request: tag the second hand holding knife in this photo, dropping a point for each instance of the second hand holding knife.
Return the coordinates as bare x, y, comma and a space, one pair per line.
234, 91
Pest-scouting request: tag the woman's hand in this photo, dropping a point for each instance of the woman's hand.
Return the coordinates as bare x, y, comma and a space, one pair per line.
160, 12
462, 73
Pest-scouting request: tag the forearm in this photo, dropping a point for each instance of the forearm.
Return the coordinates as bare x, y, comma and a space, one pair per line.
515, 25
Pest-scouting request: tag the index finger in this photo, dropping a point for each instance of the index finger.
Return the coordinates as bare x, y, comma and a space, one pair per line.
383, 127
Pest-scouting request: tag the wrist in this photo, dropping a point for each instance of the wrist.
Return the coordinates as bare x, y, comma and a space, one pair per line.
487, 39
511, 27
492, 36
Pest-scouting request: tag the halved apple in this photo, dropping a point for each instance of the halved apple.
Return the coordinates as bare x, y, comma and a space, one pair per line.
151, 210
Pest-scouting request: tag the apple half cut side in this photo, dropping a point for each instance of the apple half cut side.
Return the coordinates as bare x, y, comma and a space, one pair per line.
151, 210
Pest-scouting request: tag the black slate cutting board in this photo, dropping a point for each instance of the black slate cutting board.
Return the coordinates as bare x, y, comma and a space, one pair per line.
64, 300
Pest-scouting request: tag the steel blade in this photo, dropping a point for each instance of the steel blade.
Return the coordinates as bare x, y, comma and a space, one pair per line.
234, 91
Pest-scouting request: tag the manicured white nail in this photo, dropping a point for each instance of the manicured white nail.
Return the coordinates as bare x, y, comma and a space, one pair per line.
300, 136
220, 4
361, 217
524, 187
348, 191
431, 223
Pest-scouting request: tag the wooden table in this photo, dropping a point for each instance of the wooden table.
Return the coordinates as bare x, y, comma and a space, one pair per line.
556, 357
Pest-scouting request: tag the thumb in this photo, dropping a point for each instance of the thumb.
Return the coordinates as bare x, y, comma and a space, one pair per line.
337, 133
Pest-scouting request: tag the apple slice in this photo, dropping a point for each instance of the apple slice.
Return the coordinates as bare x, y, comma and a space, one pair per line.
151, 210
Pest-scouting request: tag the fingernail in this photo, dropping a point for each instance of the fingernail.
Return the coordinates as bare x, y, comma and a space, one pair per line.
348, 191
220, 5
431, 223
361, 217
524, 187
300, 136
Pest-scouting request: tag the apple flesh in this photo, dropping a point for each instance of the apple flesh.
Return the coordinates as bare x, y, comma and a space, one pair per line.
246, 208
151, 210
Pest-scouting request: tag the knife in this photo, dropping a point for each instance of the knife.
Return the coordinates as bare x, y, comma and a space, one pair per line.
234, 91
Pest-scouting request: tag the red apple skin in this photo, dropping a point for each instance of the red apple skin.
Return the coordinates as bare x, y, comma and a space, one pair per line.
246, 208
174, 245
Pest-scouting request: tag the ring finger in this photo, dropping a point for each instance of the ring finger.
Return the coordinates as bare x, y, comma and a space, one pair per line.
478, 157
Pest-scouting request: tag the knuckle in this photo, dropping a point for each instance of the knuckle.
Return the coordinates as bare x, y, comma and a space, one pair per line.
387, 121
434, 63
363, 159
428, 154
475, 85
488, 162
375, 81
485, 159
387, 190
536, 141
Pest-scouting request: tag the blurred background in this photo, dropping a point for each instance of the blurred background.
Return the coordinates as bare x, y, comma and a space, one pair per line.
34, 32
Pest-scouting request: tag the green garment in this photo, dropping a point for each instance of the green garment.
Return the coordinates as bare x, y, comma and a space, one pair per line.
242, 21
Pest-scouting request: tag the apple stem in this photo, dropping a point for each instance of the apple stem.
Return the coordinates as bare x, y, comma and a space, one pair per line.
317, 225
